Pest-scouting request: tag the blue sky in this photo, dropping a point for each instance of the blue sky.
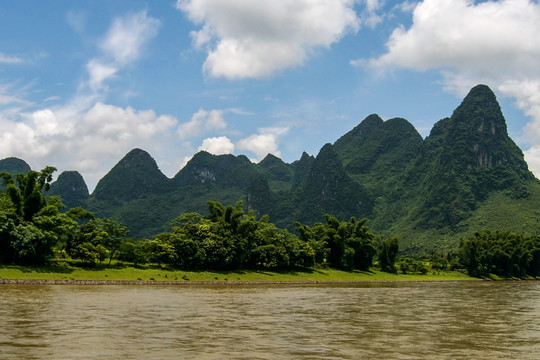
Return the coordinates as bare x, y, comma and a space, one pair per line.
83, 82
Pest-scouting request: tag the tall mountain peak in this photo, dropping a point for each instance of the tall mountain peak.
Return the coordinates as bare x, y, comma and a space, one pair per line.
477, 133
361, 131
137, 174
480, 112
465, 159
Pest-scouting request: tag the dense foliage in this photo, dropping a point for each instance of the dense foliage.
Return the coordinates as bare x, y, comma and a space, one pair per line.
228, 239
341, 244
32, 225
506, 254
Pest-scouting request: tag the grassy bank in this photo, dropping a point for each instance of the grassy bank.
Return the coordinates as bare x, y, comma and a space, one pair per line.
65, 271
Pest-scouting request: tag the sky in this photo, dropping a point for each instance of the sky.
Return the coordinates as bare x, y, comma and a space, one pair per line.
84, 82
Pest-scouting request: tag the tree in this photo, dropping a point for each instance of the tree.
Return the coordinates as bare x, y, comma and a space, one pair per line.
32, 223
342, 244
387, 254
505, 254
106, 233
28, 197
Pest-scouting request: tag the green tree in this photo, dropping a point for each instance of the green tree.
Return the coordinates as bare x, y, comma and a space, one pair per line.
31, 223
342, 244
100, 233
387, 254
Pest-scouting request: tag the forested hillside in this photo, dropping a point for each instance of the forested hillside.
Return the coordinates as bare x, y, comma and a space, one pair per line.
466, 176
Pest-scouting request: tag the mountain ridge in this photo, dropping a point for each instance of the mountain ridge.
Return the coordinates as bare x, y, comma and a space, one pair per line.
428, 191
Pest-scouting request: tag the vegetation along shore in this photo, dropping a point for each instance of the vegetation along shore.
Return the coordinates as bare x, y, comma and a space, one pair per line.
430, 203
75, 245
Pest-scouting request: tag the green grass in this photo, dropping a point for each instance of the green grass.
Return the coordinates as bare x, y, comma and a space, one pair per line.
65, 271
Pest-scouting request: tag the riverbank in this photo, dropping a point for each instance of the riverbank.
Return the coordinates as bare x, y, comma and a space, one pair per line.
63, 273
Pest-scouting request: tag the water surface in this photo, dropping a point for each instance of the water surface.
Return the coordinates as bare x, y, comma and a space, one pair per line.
448, 320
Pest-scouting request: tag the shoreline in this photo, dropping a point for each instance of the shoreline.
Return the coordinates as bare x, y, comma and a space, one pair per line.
208, 283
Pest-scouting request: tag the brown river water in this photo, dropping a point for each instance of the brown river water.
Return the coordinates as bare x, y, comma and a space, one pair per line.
446, 320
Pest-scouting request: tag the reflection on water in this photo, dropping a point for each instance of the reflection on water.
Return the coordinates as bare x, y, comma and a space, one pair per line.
479, 320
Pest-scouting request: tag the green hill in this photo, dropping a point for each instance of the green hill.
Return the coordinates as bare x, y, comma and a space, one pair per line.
70, 186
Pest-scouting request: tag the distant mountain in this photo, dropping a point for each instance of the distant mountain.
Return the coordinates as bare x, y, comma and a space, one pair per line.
71, 188
377, 151
13, 166
278, 173
136, 175
466, 176
328, 189
220, 170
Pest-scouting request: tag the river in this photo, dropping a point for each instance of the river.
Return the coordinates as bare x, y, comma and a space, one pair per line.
446, 320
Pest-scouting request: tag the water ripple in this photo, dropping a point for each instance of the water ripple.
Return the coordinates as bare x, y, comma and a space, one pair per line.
491, 320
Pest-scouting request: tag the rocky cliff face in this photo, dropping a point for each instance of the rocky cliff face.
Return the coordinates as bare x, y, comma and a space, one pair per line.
464, 159
223, 170
478, 137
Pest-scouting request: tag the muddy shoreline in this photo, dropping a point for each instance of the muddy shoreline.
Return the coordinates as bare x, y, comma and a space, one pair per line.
187, 282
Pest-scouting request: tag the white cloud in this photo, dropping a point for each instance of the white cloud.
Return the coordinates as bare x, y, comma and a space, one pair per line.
122, 45
264, 143
492, 42
6, 59
370, 16
532, 156
90, 140
459, 35
8, 99
98, 73
127, 35
217, 145
116, 123
251, 39
45, 124
202, 121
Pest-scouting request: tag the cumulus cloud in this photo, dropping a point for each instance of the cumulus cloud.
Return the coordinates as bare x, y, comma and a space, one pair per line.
493, 42
200, 122
252, 39
264, 143
90, 141
217, 145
